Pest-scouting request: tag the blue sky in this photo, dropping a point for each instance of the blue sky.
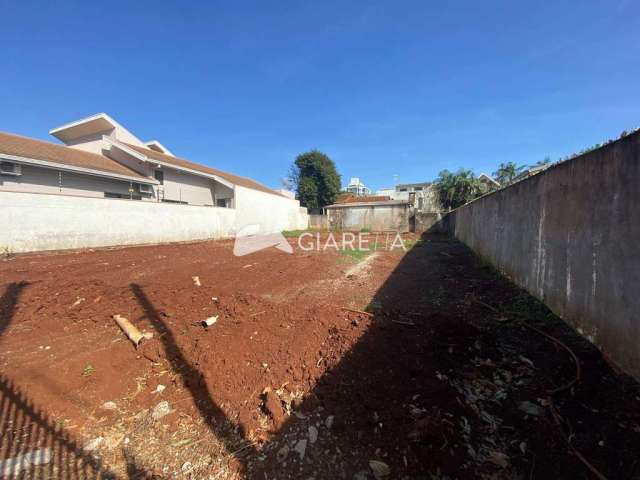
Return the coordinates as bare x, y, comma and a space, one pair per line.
407, 88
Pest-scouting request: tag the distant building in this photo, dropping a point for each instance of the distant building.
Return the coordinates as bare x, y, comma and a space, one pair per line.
348, 198
356, 187
488, 181
386, 192
529, 172
413, 187
421, 195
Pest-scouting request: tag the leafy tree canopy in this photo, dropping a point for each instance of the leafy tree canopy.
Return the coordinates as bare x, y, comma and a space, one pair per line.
315, 178
507, 172
456, 189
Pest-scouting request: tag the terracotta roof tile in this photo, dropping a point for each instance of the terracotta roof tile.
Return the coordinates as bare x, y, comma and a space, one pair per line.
20, 146
180, 162
363, 199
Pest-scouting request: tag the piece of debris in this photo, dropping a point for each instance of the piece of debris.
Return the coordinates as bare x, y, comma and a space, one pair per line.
77, 302
11, 467
214, 299
406, 324
361, 312
313, 434
282, 454
362, 475
498, 458
531, 409
186, 467
147, 335
247, 266
162, 409
329, 422
93, 444
272, 406
207, 322
526, 360
159, 389
301, 448
109, 406
380, 469
196, 281
129, 329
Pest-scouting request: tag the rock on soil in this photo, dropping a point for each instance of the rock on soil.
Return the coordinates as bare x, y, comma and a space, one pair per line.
313, 434
273, 408
301, 448
162, 409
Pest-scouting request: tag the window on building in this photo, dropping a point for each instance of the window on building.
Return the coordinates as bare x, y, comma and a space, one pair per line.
403, 189
420, 203
122, 195
418, 189
159, 176
10, 168
222, 202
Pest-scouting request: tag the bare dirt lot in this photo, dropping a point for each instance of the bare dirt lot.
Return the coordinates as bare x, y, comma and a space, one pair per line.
453, 372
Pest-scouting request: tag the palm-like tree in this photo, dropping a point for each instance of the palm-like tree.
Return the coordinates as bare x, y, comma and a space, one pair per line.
456, 189
507, 172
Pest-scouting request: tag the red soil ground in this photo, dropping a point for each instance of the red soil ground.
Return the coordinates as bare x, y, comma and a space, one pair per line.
443, 378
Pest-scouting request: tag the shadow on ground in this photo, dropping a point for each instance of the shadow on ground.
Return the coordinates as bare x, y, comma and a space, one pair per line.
448, 382
32, 443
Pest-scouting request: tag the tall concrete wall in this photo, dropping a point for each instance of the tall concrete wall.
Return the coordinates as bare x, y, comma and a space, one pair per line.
273, 213
377, 218
36, 222
571, 237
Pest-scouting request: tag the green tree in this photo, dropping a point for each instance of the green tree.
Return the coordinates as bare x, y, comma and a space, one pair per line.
315, 178
507, 172
456, 189
308, 193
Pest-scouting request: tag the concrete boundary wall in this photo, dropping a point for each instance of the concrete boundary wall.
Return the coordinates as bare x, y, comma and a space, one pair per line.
272, 213
35, 222
571, 237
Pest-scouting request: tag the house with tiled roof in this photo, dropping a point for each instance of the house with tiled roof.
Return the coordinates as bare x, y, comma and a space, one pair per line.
101, 158
98, 158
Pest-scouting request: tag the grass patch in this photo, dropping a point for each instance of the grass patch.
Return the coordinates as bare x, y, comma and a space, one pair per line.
293, 233
88, 370
355, 255
409, 243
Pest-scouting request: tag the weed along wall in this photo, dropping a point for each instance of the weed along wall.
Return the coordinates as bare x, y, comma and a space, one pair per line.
571, 237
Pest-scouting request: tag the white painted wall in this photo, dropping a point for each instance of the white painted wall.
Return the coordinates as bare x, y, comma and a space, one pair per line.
34, 222
184, 187
273, 213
